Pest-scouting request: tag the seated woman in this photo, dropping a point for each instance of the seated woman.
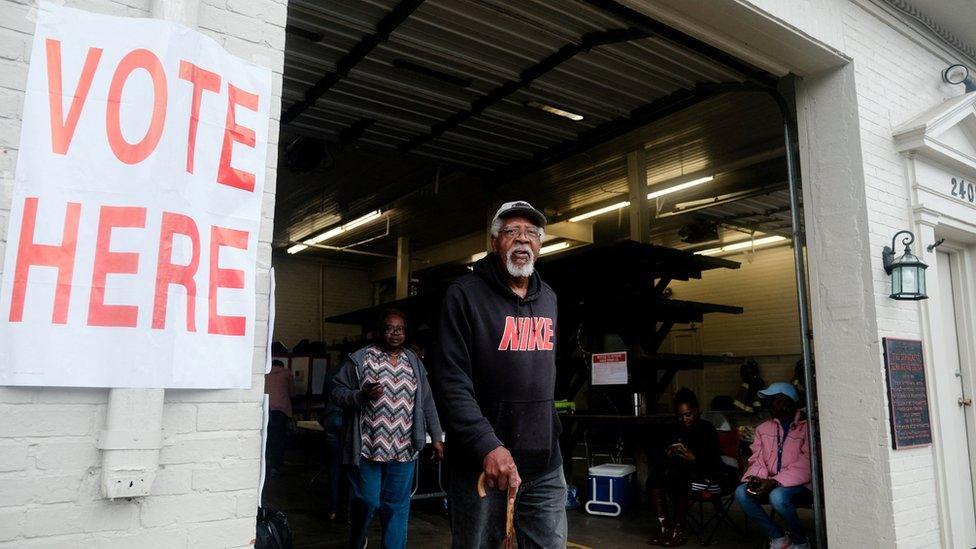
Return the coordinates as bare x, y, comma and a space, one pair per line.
689, 454
779, 469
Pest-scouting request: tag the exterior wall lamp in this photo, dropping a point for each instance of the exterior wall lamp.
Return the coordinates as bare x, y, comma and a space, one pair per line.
907, 271
959, 74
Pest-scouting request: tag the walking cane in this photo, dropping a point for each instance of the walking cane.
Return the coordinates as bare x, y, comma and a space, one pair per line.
509, 512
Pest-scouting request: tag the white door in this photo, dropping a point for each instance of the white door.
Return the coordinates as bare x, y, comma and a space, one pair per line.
954, 415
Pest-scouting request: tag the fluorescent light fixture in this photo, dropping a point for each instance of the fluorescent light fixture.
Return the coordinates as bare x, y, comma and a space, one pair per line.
604, 210
296, 248
478, 256
361, 221
742, 245
324, 236
553, 110
557, 247
681, 187
343, 228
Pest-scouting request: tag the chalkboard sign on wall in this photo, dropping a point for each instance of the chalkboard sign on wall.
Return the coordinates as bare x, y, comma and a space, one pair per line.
907, 399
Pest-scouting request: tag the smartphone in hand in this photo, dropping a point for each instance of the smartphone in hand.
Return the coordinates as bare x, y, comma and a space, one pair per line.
373, 390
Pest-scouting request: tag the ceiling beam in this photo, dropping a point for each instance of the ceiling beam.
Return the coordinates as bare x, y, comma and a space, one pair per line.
350, 135
648, 24
696, 205
641, 116
311, 36
565, 53
400, 13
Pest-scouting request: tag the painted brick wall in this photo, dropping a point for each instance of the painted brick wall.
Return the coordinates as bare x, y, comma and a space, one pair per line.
769, 329
205, 494
897, 76
299, 309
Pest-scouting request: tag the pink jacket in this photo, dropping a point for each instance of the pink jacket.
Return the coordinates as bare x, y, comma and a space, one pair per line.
795, 463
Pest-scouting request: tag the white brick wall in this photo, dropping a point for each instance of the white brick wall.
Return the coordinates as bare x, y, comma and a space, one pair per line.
897, 76
299, 310
895, 81
205, 494
765, 287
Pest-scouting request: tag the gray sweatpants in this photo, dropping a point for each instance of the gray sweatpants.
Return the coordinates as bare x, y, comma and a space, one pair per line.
540, 513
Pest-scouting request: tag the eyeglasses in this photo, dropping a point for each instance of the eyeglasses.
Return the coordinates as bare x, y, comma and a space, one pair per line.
512, 231
393, 330
686, 414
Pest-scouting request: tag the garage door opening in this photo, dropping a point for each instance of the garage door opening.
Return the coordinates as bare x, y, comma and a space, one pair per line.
660, 163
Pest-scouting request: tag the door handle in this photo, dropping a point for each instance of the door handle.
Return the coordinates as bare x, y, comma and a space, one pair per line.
965, 401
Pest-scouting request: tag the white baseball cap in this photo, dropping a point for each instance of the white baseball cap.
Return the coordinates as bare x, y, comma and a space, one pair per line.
520, 207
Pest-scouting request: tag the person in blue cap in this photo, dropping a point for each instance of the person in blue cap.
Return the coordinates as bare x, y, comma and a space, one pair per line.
779, 469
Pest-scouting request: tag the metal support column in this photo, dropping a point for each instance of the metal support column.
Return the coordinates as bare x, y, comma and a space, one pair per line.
805, 334
799, 264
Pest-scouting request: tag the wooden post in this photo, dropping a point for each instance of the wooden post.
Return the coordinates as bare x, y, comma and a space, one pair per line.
640, 211
403, 267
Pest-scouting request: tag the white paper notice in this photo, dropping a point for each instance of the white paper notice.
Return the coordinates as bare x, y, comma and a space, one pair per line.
271, 320
609, 369
132, 241
265, 411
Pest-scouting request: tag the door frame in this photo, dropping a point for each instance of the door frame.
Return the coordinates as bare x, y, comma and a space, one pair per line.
961, 245
962, 261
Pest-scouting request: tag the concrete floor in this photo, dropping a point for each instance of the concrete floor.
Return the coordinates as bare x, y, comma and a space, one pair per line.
305, 505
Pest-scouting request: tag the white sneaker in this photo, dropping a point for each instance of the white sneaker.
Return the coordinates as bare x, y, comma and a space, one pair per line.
780, 543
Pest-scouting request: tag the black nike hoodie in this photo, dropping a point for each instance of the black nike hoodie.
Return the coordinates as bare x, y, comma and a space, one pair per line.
494, 370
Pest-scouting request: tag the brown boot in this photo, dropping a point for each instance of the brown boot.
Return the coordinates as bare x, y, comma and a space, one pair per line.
663, 534
659, 510
677, 537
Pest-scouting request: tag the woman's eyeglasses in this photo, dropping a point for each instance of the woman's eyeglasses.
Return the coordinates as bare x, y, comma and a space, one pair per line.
392, 330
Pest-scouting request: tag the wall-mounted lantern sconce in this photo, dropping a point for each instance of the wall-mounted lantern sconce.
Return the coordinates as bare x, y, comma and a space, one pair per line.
907, 271
959, 74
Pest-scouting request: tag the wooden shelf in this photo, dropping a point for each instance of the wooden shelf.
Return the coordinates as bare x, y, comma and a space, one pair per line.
643, 310
637, 260
418, 308
661, 361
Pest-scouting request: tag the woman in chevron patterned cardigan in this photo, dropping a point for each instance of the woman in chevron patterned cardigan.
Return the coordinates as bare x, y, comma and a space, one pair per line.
388, 412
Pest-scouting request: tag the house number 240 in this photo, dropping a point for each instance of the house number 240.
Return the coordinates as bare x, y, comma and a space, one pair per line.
963, 190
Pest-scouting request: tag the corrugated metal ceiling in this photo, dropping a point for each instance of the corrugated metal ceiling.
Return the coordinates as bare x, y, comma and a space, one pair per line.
489, 43
487, 46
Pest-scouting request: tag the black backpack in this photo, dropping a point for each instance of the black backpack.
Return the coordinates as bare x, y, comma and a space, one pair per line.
273, 531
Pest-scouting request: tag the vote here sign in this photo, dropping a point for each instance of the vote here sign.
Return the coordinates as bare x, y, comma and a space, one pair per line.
132, 239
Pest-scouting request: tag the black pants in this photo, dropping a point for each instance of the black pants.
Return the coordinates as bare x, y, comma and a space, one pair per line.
277, 437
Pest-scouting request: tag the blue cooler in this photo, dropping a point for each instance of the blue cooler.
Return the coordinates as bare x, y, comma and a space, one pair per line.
609, 485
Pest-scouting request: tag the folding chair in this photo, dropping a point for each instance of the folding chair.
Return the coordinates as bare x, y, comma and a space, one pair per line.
720, 495
721, 499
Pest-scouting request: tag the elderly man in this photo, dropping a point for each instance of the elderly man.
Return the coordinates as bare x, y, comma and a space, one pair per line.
494, 377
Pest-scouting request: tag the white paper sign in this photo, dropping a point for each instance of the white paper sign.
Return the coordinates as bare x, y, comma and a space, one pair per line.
132, 241
271, 321
609, 369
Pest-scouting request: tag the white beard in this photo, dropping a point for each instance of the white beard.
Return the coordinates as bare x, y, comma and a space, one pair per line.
520, 271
